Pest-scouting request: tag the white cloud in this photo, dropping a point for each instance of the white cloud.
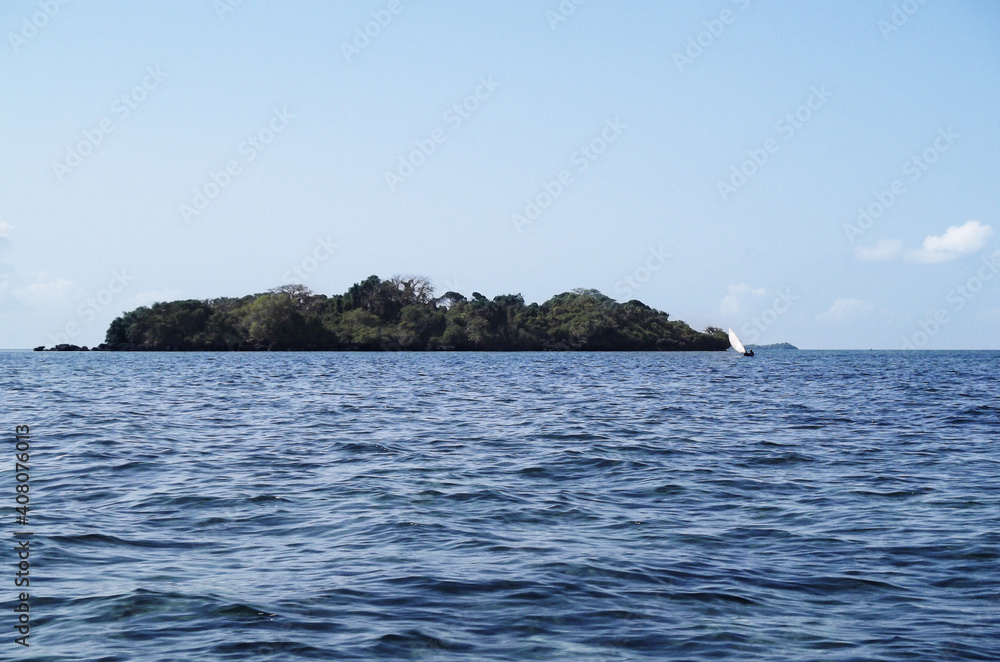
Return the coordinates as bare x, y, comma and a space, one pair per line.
885, 249
739, 295
846, 310
46, 291
5, 230
957, 240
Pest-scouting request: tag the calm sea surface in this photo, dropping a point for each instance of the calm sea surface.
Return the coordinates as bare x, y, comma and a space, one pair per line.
547, 506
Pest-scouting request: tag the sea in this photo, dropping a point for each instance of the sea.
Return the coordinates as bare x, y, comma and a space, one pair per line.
797, 505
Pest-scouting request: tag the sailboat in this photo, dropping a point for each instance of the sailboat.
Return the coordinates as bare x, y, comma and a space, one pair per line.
737, 345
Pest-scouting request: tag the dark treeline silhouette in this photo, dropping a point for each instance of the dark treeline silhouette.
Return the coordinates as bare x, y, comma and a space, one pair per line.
402, 314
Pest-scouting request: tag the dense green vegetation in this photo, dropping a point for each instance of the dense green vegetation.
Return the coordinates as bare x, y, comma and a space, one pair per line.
402, 314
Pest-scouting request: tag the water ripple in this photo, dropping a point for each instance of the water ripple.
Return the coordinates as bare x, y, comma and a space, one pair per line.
800, 505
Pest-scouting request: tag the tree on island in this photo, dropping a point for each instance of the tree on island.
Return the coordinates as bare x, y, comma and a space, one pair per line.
401, 313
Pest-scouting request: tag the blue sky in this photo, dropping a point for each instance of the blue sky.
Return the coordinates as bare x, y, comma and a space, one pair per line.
711, 159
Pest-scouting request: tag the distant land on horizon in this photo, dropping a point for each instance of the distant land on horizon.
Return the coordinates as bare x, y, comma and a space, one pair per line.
777, 345
402, 314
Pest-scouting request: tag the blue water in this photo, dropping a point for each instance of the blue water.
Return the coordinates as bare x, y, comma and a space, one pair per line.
550, 506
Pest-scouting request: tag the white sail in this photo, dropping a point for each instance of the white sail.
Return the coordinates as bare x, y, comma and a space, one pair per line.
735, 342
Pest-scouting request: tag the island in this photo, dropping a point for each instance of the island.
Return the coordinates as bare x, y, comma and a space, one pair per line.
402, 313
777, 345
